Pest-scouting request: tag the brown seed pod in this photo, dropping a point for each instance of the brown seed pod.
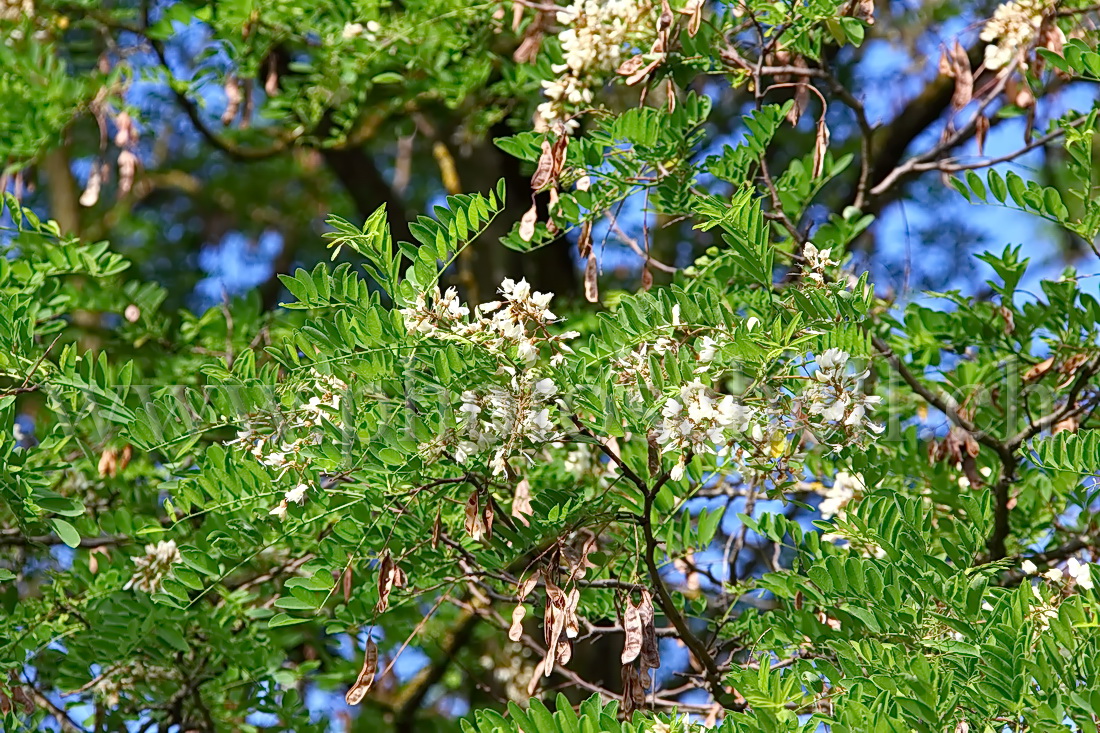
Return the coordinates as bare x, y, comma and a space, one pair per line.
474, 526
515, 631
591, 284
366, 675
632, 632
544, 169
527, 224
521, 502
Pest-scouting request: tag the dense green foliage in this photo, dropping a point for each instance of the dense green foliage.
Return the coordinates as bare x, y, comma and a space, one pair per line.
746, 485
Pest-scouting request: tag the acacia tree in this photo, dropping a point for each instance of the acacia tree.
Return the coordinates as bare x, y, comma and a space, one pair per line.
749, 486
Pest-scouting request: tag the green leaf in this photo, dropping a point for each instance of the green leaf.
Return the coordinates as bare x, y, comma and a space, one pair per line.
65, 531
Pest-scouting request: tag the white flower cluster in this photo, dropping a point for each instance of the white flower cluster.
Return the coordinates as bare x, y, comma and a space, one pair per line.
834, 397
152, 567
518, 320
1011, 31
14, 10
634, 369
836, 497
595, 33
368, 33
1080, 573
507, 419
699, 423
816, 262
280, 446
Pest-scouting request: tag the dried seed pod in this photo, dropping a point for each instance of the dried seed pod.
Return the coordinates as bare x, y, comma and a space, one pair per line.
981, 129
127, 171
544, 169
90, 195
591, 284
964, 78
474, 526
654, 454
515, 631
271, 80
366, 675
527, 224
572, 623
347, 584
630, 66
821, 146
108, 462
865, 11
633, 695
946, 68
125, 133
524, 587
559, 152
1039, 371
650, 657
632, 632
487, 515
517, 16
584, 241
528, 49
565, 651
389, 577
643, 72
521, 502
232, 99
437, 528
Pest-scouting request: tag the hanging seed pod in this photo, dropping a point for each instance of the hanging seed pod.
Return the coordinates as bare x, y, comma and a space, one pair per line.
544, 168
474, 526
591, 286
487, 516
366, 675
524, 587
521, 502
527, 224
632, 631
515, 631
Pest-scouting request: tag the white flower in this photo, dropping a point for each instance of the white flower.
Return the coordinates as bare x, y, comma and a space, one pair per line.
154, 566
833, 394
708, 348
297, 495
352, 30
836, 497
592, 42
1027, 567
1080, 572
832, 359
279, 512
1014, 26
750, 324
695, 421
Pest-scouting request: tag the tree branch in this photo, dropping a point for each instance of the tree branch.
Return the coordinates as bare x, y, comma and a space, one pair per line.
668, 607
15, 538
